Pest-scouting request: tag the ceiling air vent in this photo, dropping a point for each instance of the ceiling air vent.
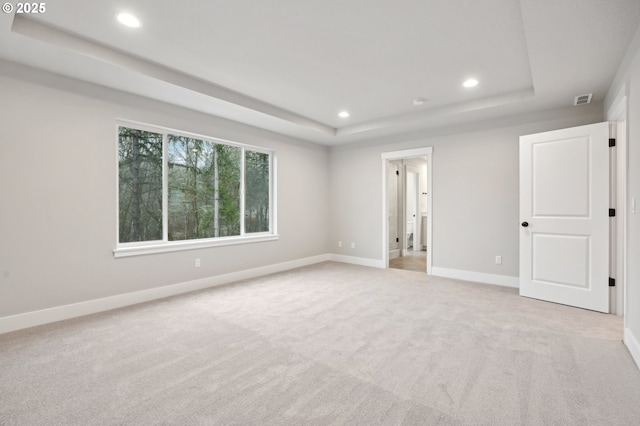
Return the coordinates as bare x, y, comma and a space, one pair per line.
582, 99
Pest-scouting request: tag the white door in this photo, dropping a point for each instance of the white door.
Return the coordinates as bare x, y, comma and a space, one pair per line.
564, 231
393, 175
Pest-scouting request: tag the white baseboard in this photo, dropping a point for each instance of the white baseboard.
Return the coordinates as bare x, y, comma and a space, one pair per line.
59, 313
480, 277
394, 253
362, 261
633, 344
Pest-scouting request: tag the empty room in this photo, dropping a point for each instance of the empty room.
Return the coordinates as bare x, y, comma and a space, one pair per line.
356, 212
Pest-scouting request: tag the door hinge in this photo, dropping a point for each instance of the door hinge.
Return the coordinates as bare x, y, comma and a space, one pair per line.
612, 212
612, 282
397, 173
397, 240
612, 142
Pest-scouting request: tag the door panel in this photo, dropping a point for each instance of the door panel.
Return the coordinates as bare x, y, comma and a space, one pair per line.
574, 252
392, 204
561, 178
564, 197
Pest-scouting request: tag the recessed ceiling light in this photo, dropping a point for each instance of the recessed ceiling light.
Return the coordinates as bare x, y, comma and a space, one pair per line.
419, 101
129, 20
472, 82
343, 114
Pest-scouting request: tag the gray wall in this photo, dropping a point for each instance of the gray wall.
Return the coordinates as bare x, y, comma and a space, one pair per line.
58, 189
629, 77
475, 190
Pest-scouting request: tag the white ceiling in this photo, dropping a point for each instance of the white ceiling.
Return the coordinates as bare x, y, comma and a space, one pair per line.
290, 66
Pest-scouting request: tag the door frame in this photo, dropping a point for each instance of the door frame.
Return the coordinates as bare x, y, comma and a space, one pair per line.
617, 117
400, 155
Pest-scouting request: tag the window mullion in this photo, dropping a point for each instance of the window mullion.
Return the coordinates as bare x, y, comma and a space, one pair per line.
272, 195
165, 188
242, 191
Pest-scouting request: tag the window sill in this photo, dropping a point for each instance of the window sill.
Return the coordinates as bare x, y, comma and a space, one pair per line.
166, 247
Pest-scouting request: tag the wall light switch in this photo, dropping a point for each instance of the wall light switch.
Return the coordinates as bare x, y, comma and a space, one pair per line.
353, 245
339, 243
197, 263
498, 260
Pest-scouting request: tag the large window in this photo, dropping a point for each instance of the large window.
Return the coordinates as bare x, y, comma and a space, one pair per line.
174, 187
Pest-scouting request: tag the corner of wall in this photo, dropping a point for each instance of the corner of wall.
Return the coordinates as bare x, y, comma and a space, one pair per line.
622, 74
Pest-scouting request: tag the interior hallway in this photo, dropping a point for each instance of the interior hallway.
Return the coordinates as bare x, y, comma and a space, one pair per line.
412, 261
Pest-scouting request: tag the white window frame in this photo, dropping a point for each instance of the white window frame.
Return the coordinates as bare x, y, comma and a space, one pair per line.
138, 248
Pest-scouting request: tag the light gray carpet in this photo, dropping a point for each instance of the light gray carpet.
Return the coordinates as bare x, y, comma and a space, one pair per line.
329, 344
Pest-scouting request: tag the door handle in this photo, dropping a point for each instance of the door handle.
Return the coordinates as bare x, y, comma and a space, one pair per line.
525, 224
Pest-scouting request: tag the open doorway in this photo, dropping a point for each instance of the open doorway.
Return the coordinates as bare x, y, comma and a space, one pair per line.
407, 206
411, 207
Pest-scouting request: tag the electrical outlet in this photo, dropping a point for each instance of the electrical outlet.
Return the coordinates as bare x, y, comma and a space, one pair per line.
339, 243
498, 260
197, 263
353, 245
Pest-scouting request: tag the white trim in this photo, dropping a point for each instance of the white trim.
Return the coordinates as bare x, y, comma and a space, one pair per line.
429, 214
362, 261
243, 190
165, 189
399, 155
165, 247
59, 313
633, 344
116, 211
480, 277
273, 199
617, 115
